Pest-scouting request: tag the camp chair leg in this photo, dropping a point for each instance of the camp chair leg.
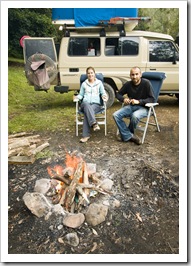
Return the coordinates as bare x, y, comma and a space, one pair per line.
77, 128
146, 126
155, 117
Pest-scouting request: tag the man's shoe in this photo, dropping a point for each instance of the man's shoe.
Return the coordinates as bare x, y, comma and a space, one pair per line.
85, 139
96, 127
136, 140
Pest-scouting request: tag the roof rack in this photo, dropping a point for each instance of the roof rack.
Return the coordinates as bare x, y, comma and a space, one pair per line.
122, 24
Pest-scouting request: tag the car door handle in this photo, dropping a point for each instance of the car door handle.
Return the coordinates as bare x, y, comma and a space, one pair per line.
73, 69
152, 69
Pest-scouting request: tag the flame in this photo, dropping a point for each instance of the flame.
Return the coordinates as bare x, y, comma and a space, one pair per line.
72, 160
56, 170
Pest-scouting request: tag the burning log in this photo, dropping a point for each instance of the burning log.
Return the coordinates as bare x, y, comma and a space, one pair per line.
70, 191
62, 178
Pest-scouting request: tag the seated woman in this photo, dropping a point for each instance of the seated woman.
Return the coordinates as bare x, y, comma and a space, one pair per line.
90, 92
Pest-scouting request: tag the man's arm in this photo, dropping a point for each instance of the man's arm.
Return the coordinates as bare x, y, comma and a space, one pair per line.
121, 92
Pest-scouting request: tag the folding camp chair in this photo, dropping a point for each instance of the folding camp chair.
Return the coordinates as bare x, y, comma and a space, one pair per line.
156, 79
100, 116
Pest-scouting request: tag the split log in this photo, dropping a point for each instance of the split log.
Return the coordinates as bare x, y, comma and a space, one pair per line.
19, 143
96, 188
38, 149
34, 138
14, 152
84, 193
21, 160
18, 135
71, 190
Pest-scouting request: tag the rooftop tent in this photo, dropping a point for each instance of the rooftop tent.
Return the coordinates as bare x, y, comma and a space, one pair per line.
84, 17
62, 13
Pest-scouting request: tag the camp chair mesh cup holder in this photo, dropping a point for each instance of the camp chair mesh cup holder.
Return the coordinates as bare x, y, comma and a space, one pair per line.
100, 116
156, 79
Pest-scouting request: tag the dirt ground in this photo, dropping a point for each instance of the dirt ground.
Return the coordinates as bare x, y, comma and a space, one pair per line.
146, 183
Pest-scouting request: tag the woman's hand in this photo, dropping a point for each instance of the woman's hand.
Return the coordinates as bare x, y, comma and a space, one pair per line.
104, 98
75, 98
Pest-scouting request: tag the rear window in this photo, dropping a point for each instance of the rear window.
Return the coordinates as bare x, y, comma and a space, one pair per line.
43, 46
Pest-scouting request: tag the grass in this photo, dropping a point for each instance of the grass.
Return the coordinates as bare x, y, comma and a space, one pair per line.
30, 110
34, 111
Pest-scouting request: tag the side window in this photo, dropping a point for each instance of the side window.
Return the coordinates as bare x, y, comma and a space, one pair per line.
84, 46
162, 51
122, 46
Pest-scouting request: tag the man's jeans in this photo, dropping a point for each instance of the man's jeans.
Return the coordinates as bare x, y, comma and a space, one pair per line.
135, 113
89, 111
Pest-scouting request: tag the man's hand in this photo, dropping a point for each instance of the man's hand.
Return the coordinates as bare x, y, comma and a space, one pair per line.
133, 101
127, 101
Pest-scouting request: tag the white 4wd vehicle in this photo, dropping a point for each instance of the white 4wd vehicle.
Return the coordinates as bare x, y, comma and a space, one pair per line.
112, 53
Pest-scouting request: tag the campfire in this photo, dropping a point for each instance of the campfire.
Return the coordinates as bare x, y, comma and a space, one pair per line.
68, 190
70, 185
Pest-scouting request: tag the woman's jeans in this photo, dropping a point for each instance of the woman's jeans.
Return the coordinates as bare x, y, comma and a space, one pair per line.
89, 111
135, 113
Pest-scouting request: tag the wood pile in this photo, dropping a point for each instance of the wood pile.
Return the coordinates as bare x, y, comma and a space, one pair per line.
22, 148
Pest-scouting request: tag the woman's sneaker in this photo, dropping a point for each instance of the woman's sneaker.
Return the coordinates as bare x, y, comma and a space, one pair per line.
96, 127
85, 139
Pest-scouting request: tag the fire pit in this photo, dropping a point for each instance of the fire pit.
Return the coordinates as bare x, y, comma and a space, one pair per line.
68, 191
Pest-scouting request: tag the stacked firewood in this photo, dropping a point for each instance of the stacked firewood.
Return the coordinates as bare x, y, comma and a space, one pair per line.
22, 147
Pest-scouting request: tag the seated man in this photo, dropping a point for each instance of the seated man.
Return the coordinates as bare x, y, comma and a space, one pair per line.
139, 92
90, 92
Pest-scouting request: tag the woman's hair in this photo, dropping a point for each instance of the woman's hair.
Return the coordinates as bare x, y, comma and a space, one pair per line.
89, 69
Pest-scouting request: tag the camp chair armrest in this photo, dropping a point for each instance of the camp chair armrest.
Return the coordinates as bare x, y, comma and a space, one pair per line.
76, 100
151, 104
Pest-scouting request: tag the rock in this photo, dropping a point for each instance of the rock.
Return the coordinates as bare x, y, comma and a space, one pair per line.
116, 203
42, 185
57, 209
72, 239
96, 214
37, 203
106, 203
91, 168
107, 184
74, 220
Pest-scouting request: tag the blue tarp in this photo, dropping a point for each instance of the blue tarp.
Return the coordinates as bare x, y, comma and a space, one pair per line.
84, 17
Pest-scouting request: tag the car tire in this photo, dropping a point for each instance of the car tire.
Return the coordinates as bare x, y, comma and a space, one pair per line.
110, 93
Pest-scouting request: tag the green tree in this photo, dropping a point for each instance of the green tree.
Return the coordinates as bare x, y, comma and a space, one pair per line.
34, 22
164, 20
